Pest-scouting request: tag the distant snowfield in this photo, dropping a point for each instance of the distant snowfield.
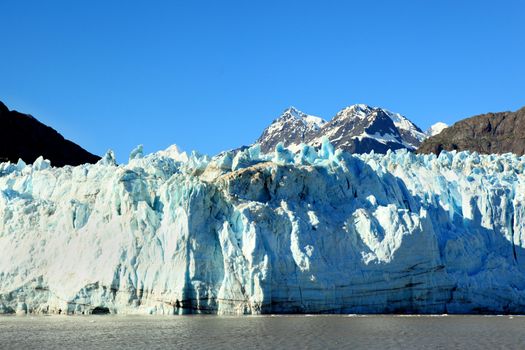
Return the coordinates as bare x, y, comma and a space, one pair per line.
309, 232
435, 129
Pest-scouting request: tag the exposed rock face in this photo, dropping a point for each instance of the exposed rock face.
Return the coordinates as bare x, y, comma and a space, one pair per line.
24, 137
487, 133
314, 232
357, 129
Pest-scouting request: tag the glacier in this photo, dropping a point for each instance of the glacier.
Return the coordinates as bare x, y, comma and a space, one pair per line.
317, 231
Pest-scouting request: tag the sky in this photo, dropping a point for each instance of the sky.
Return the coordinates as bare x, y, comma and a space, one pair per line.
211, 75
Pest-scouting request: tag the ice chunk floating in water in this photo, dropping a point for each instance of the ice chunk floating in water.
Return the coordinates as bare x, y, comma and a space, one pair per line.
315, 231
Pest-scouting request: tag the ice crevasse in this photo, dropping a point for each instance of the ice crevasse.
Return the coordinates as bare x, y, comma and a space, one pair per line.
317, 231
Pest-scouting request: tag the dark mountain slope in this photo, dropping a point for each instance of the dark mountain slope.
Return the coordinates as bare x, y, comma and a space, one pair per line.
22, 136
487, 133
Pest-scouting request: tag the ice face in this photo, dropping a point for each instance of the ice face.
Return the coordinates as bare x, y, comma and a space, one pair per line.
256, 233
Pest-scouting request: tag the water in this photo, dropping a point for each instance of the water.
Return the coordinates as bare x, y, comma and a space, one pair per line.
265, 332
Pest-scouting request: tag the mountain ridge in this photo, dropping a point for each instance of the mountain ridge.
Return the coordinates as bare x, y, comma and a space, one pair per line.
357, 128
22, 136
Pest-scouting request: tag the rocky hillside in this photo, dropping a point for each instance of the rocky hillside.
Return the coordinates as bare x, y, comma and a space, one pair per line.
357, 129
487, 133
22, 136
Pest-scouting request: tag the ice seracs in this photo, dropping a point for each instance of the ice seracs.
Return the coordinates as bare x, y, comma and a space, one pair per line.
313, 231
173, 152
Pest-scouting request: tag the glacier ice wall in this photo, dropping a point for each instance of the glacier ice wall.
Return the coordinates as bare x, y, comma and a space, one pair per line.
246, 233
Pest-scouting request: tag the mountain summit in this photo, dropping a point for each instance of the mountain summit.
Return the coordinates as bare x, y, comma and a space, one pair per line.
358, 128
293, 127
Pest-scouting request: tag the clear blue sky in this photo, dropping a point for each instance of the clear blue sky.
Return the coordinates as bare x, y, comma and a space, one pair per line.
210, 75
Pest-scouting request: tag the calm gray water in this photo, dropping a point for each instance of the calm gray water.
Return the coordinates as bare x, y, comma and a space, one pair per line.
265, 332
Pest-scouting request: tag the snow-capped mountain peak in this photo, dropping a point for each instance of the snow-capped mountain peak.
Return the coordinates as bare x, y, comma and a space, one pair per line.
292, 127
436, 129
357, 128
308, 120
411, 134
361, 128
360, 111
292, 111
